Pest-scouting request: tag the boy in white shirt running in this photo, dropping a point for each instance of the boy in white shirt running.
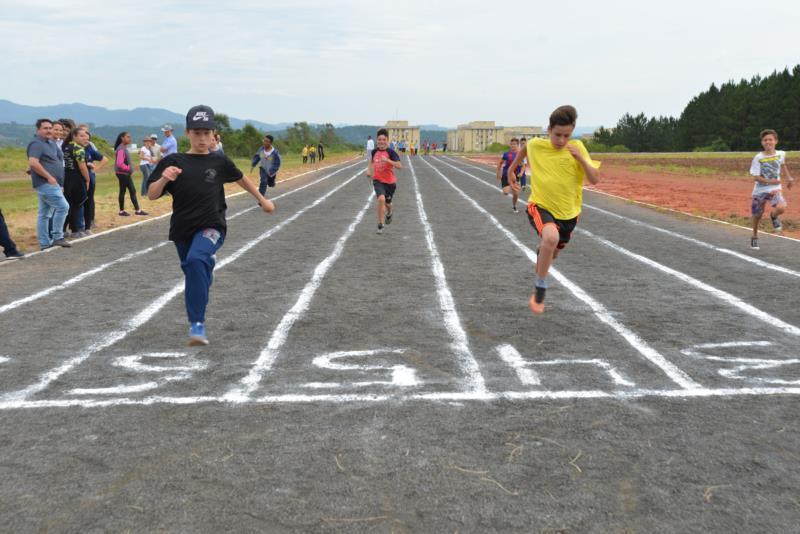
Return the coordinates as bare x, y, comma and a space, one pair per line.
766, 172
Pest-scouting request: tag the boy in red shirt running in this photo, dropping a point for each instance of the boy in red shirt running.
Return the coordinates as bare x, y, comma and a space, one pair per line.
382, 163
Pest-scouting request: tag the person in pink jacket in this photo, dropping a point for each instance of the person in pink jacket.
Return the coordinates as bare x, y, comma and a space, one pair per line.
123, 168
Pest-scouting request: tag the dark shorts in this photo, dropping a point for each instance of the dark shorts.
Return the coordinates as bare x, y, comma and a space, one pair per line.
387, 190
540, 217
760, 201
504, 181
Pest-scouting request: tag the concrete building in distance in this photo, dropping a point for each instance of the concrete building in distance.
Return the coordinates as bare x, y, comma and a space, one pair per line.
400, 130
476, 136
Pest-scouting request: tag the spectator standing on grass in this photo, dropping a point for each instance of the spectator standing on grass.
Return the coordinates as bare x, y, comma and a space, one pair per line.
268, 160
46, 162
196, 181
155, 149
304, 153
370, 146
218, 140
123, 168
312, 153
170, 144
9, 247
76, 177
95, 161
766, 172
146, 163
320, 151
58, 134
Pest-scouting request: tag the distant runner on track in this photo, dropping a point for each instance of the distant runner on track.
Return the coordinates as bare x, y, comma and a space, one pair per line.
382, 163
196, 181
558, 168
502, 173
766, 172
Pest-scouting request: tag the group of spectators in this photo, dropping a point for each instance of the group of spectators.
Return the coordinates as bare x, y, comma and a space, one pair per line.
63, 164
310, 153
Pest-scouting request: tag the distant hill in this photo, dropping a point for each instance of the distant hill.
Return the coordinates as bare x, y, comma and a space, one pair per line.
11, 112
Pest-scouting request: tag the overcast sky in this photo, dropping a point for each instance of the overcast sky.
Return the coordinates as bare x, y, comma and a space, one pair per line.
363, 62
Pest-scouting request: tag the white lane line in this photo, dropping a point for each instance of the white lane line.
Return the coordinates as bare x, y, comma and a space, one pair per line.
724, 296
718, 293
657, 207
601, 312
162, 216
671, 233
79, 278
514, 359
419, 397
76, 279
270, 353
4, 359
697, 242
146, 314
460, 341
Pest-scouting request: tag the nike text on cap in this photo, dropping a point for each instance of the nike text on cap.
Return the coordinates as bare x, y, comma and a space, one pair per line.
200, 117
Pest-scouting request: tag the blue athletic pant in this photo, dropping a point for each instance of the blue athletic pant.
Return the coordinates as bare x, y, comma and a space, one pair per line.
197, 262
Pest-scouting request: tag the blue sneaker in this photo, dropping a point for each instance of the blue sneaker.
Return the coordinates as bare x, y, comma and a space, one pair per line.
197, 335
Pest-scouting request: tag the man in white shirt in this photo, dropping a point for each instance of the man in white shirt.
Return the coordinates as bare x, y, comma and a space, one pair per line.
370, 146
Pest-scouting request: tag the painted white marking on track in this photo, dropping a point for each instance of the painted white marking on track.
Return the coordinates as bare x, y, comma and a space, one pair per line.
738, 255
744, 364
724, 296
600, 312
146, 314
271, 352
698, 393
460, 341
402, 375
4, 359
510, 355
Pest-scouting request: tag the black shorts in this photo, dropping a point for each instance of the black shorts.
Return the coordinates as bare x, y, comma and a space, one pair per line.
387, 190
504, 181
540, 217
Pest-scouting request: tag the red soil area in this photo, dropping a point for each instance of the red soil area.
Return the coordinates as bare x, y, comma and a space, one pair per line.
724, 196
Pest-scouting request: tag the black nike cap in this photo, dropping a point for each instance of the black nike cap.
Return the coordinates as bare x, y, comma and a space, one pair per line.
200, 117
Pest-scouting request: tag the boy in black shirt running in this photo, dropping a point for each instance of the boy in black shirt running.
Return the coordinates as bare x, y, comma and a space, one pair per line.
196, 181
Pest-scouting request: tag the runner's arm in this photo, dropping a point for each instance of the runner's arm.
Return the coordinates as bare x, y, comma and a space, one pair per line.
156, 189
512, 168
499, 167
592, 174
785, 172
266, 204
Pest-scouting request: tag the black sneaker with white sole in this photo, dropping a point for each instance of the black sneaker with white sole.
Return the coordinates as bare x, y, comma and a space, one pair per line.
754, 243
776, 224
380, 229
388, 218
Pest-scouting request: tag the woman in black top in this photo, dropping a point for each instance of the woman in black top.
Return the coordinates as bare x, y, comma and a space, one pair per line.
76, 176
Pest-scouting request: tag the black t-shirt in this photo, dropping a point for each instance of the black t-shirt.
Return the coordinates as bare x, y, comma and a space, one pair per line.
198, 194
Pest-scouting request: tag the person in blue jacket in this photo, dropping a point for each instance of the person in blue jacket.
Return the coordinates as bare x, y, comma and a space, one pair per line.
268, 160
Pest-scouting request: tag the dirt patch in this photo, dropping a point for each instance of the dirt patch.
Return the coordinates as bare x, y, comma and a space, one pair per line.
721, 196
22, 225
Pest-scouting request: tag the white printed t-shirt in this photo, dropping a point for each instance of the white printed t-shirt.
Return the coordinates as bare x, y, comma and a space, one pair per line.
769, 167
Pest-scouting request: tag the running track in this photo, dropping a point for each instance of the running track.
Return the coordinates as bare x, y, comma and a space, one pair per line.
339, 356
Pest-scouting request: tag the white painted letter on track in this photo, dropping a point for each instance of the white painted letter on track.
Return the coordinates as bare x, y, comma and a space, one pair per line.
185, 366
529, 377
400, 375
741, 362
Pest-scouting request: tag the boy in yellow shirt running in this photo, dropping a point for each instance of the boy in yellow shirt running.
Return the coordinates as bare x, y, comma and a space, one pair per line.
558, 168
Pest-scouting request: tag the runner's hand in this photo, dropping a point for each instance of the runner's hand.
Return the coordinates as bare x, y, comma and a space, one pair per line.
515, 186
171, 173
574, 151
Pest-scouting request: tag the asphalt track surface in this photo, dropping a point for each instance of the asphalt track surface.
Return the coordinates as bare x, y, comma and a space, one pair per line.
398, 383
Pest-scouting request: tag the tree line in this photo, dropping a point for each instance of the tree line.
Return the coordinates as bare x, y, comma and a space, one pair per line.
728, 117
245, 141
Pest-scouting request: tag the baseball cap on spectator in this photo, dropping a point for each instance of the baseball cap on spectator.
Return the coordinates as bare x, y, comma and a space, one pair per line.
154, 137
200, 117
167, 128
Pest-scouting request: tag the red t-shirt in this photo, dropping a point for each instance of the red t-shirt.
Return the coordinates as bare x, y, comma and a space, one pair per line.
383, 171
